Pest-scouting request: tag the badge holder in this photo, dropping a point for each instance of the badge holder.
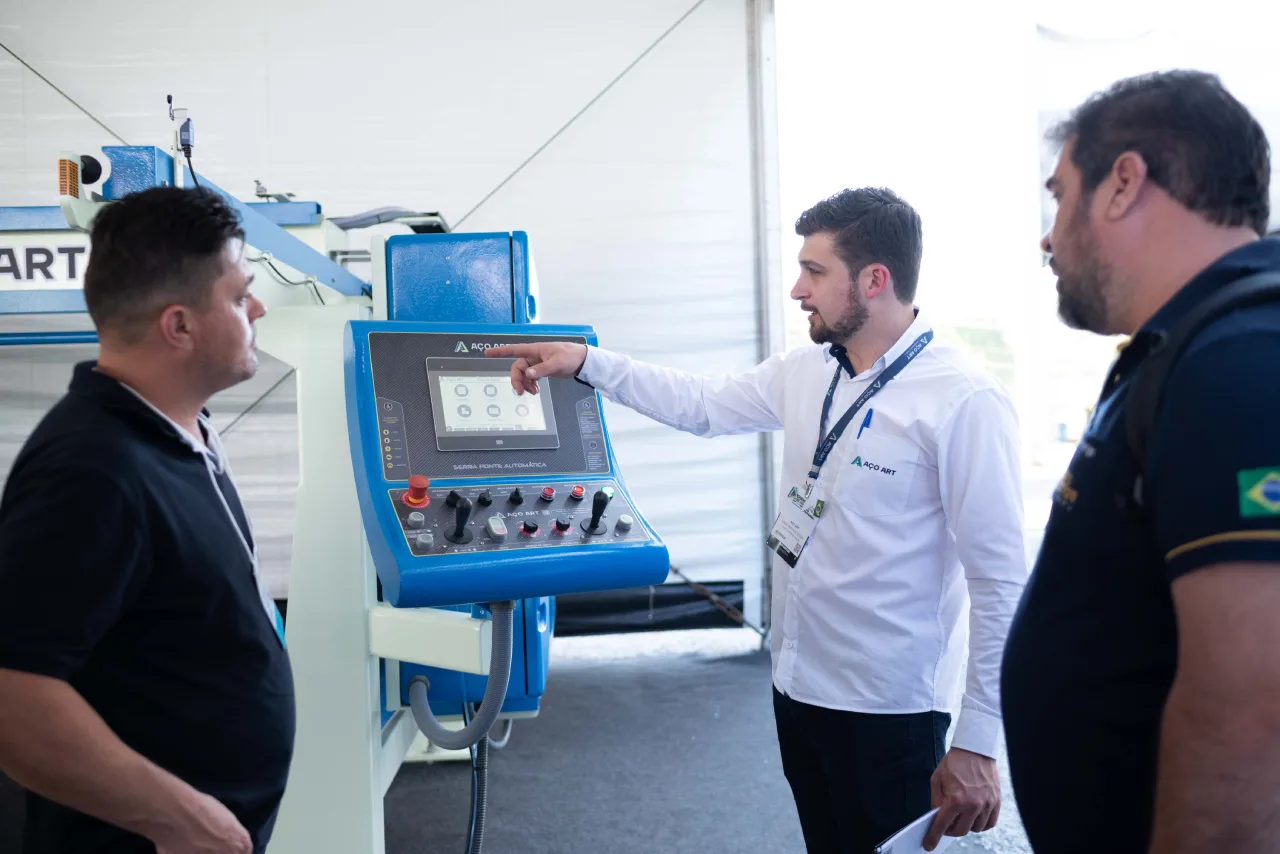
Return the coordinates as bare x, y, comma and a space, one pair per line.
796, 520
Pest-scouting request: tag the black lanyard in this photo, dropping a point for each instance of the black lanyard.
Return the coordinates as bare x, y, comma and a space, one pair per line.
827, 444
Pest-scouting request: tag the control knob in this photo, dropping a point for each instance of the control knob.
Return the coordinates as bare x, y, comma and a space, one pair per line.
562, 525
528, 528
517, 497
452, 500
484, 499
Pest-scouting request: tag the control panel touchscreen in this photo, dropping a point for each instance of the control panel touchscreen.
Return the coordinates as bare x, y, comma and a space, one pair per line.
475, 407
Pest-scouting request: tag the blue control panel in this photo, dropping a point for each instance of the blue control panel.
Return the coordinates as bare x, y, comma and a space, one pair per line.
471, 493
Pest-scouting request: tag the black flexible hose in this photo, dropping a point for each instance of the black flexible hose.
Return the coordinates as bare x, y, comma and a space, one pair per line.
480, 792
495, 691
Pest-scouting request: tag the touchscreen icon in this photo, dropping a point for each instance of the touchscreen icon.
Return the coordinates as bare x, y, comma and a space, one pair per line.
491, 391
494, 410
460, 390
464, 411
522, 410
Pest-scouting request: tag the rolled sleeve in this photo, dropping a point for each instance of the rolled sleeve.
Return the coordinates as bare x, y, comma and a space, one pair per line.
72, 555
1214, 462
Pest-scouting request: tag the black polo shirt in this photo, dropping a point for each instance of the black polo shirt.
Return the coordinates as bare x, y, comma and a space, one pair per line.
1091, 655
122, 573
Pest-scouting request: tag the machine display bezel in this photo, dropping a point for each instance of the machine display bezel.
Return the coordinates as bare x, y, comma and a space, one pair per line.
490, 440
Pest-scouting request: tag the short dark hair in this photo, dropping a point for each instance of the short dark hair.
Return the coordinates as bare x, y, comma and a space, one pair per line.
872, 225
1200, 144
154, 248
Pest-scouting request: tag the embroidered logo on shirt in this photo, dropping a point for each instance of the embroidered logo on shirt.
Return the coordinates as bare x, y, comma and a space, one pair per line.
1259, 492
1065, 495
867, 464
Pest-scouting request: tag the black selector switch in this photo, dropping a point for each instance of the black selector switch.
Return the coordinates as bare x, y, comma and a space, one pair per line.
461, 534
452, 500
595, 526
484, 499
517, 497
528, 528
562, 525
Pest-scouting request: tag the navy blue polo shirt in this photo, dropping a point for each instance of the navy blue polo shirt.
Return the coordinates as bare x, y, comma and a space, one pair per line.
1092, 651
123, 574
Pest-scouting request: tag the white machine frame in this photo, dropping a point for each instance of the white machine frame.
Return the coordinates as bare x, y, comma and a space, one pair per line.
337, 632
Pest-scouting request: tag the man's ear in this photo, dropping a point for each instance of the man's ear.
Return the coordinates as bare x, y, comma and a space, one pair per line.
177, 325
1125, 185
874, 280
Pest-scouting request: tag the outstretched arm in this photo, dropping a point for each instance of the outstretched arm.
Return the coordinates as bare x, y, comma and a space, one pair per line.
751, 402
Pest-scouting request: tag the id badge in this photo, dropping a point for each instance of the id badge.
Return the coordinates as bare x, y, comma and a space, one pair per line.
796, 520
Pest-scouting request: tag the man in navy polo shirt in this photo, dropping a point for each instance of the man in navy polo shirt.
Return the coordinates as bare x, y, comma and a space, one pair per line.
1142, 675
146, 699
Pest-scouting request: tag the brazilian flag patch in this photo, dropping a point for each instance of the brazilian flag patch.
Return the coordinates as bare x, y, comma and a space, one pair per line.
1259, 492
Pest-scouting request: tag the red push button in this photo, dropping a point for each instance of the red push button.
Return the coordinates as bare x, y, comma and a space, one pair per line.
548, 494
577, 493
417, 495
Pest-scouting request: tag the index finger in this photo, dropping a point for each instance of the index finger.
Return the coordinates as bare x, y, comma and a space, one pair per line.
938, 828
512, 351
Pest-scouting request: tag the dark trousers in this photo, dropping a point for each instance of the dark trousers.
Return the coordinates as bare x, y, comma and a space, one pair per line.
857, 778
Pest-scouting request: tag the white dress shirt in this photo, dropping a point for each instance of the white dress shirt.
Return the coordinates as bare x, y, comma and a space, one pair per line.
872, 617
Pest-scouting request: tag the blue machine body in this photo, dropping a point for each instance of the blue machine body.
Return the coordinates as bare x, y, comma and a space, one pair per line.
450, 297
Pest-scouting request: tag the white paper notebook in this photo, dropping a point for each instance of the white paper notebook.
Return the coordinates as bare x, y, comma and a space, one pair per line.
910, 840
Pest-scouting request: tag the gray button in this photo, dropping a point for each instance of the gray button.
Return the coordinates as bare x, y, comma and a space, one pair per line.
416, 519
496, 528
625, 522
425, 541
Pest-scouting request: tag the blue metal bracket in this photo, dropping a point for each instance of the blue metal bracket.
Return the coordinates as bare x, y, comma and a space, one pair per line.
43, 218
136, 168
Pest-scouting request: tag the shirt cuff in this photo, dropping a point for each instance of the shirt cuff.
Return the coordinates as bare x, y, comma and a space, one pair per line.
978, 732
596, 367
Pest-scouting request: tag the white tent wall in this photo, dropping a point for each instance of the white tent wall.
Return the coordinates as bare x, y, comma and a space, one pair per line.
619, 136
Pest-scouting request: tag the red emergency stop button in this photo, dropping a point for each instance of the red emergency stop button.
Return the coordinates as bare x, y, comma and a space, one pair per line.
417, 495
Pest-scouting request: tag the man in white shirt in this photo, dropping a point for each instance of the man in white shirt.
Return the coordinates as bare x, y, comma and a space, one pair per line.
901, 488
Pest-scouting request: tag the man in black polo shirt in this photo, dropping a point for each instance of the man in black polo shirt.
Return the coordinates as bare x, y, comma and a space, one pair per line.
146, 700
1142, 674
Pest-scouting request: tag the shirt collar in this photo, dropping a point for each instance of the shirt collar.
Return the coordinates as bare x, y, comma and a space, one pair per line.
87, 380
914, 331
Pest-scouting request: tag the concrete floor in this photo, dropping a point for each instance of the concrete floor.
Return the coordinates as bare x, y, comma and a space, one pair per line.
725, 649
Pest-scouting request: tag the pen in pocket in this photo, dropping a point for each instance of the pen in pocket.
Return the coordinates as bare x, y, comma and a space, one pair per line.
866, 422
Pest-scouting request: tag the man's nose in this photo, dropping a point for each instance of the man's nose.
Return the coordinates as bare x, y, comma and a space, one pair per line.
797, 292
1046, 245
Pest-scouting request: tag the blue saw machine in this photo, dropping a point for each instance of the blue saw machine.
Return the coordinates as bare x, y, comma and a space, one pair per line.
470, 493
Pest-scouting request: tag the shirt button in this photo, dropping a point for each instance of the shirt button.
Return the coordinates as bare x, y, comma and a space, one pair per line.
789, 644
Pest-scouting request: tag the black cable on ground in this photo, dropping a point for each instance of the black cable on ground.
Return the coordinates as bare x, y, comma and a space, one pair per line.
479, 786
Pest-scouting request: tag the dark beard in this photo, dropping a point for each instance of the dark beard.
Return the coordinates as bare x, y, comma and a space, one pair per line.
1082, 300
854, 318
